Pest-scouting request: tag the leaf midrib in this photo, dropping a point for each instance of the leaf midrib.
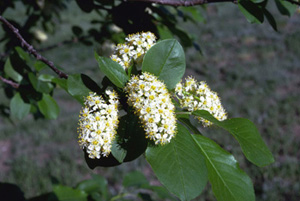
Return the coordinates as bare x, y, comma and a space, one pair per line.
203, 151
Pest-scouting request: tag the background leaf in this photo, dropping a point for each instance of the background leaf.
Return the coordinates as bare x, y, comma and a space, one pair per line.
112, 70
228, 181
251, 11
179, 165
285, 7
166, 60
18, 108
246, 133
65, 193
48, 107
11, 72
136, 179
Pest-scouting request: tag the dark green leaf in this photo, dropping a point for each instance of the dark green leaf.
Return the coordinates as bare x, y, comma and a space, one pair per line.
251, 11
179, 165
164, 32
270, 19
48, 107
285, 7
166, 60
136, 179
18, 108
246, 133
11, 72
228, 181
114, 71
77, 30
195, 12
65, 193
96, 184
184, 119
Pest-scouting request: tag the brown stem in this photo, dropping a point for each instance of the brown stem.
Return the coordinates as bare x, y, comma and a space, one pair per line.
31, 50
11, 83
183, 2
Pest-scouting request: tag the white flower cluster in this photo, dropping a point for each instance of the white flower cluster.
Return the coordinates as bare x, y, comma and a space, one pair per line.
198, 96
98, 122
133, 49
152, 103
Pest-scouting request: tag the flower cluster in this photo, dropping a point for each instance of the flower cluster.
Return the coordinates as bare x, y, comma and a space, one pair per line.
152, 103
133, 49
198, 96
98, 123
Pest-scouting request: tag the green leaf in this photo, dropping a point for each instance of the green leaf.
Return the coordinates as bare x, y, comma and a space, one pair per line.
61, 82
11, 72
118, 152
65, 193
39, 85
164, 32
23, 55
179, 165
285, 7
46, 77
246, 133
114, 71
270, 19
77, 87
251, 11
131, 137
96, 184
228, 181
195, 12
136, 179
166, 60
39, 65
48, 107
18, 108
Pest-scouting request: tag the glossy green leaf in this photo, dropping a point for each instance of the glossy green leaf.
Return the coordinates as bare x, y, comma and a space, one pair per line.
285, 7
136, 179
179, 165
114, 71
166, 60
18, 108
251, 11
228, 181
96, 184
246, 133
65, 193
39, 85
48, 107
11, 72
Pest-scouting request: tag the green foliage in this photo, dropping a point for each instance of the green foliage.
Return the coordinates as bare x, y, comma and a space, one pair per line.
193, 157
247, 135
166, 60
228, 181
179, 166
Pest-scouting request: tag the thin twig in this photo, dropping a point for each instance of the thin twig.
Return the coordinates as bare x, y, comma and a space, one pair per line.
183, 2
31, 50
294, 2
11, 83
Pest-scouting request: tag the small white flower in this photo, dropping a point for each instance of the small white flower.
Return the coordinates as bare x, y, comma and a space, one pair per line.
98, 122
198, 96
152, 103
